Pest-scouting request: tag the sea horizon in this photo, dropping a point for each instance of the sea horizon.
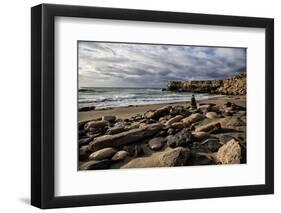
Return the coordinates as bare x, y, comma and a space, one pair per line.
110, 97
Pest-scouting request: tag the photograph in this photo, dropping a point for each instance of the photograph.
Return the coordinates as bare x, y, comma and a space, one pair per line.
160, 105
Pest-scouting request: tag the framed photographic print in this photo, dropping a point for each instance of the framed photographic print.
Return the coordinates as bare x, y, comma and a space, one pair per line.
140, 106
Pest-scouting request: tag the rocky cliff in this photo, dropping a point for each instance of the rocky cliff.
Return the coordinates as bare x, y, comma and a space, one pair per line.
231, 86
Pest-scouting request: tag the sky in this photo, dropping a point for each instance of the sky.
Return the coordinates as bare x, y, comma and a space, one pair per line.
149, 66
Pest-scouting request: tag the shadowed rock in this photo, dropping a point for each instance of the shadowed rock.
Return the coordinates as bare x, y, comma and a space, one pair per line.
156, 143
182, 138
96, 165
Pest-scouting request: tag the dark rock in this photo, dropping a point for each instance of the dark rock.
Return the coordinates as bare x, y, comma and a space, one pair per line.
179, 110
182, 138
130, 149
84, 141
81, 124
211, 144
171, 131
84, 109
84, 153
156, 143
138, 151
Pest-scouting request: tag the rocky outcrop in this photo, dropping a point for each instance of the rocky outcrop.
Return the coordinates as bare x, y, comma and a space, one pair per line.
231, 86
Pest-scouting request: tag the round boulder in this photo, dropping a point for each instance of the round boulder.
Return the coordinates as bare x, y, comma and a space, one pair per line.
156, 143
120, 155
101, 154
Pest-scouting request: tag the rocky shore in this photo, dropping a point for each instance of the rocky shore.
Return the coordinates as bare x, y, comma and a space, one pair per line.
164, 136
231, 86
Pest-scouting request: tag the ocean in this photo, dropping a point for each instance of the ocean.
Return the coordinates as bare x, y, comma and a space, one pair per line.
116, 97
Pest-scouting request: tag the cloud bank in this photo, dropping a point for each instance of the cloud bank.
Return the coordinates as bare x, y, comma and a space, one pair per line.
141, 65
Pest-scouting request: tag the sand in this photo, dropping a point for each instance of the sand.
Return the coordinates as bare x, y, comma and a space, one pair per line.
129, 111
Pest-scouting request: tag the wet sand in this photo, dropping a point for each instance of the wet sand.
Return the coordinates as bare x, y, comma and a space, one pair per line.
129, 111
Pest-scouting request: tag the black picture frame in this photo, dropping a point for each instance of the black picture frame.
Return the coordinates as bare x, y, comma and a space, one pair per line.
43, 117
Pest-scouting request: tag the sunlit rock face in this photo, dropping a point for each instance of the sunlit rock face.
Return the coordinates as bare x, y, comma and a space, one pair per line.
231, 86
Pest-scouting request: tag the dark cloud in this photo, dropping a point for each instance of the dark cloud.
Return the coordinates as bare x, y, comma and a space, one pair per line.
139, 65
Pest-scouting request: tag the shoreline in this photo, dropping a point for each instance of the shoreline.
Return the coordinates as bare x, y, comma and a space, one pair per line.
129, 111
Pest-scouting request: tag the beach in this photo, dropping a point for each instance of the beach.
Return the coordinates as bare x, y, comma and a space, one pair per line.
129, 111
164, 135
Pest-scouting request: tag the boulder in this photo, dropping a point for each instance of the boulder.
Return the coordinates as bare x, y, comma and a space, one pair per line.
81, 124
212, 144
101, 154
95, 124
193, 118
120, 155
84, 141
115, 130
84, 153
182, 138
211, 115
177, 125
229, 153
159, 112
138, 150
174, 119
199, 136
175, 157
130, 149
109, 118
156, 143
179, 110
204, 108
95, 165
124, 138
232, 122
171, 157
209, 128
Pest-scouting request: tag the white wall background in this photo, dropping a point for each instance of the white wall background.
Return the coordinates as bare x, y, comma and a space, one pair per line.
15, 105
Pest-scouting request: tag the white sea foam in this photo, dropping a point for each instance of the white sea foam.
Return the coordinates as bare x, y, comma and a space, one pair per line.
116, 97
